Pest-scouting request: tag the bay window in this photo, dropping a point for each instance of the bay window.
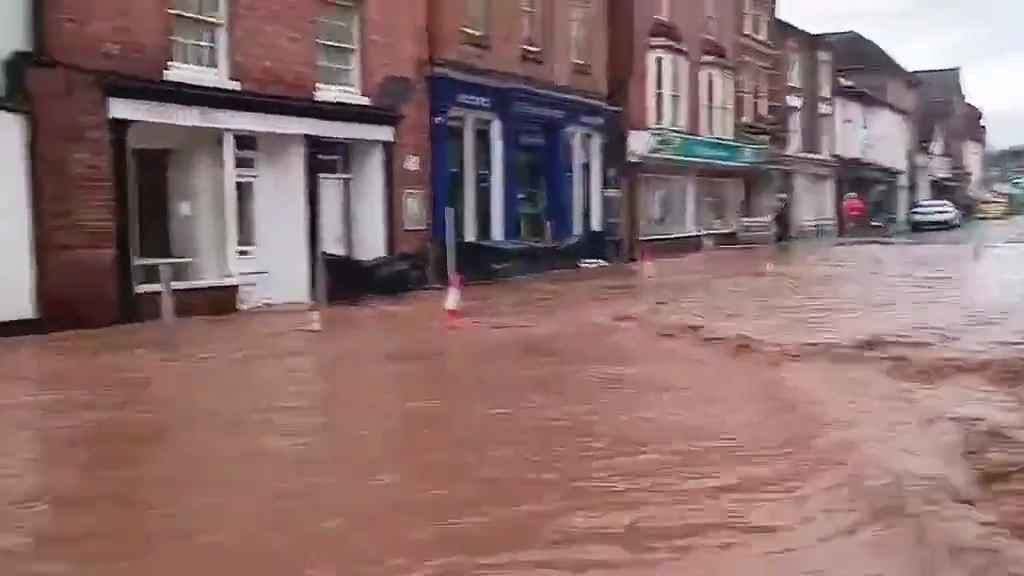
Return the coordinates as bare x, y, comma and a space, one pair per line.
756, 18
762, 93
716, 102
338, 47
825, 74
667, 89
747, 89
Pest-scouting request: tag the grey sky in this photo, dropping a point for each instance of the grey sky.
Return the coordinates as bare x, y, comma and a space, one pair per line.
985, 38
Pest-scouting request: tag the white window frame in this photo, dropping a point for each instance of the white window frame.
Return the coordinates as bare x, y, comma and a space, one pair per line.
580, 17
595, 178
339, 92
756, 19
245, 175
793, 69
532, 15
746, 89
825, 74
664, 10
717, 97
668, 107
470, 226
217, 76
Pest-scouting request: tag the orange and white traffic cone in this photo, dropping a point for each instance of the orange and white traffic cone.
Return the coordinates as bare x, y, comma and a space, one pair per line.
647, 266
453, 302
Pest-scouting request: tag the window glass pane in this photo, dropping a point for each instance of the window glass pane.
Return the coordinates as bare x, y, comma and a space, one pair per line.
455, 178
208, 8
663, 207
246, 214
483, 179
532, 194
339, 25
245, 143
194, 42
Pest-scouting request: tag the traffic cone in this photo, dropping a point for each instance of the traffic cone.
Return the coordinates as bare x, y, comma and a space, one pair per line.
315, 323
647, 265
453, 302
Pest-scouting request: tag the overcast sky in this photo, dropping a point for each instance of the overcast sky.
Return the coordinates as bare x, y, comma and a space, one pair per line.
985, 38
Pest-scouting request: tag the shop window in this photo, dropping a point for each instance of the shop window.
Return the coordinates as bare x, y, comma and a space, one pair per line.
532, 22
664, 207
717, 96
482, 134
338, 47
475, 191
579, 32
533, 195
756, 18
456, 180
721, 201
668, 76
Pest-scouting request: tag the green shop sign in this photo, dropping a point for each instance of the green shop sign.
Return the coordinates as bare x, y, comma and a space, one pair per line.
688, 148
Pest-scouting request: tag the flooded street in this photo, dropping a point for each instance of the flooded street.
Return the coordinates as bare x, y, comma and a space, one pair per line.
817, 409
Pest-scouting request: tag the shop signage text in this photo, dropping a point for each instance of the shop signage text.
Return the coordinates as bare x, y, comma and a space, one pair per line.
695, 149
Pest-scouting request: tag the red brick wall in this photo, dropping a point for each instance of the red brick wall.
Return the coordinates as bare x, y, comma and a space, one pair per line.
504, 51
271, 46
395, 68
75, 199
109, 35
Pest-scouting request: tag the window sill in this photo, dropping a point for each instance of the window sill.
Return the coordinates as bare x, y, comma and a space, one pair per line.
209, 77
338, 94
475, 38
580, 67
532, 53
188, 285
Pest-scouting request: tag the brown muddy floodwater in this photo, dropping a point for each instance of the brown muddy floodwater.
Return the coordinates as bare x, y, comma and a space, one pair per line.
575, 424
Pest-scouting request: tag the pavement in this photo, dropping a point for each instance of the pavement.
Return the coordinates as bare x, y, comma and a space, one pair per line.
811, 409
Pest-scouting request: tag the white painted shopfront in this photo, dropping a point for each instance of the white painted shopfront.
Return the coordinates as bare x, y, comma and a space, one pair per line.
18, 273
225, 195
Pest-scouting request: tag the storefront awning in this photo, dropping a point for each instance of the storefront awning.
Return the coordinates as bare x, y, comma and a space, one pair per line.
202, 107
683, 148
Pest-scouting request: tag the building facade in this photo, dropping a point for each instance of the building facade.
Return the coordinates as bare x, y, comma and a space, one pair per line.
519, 129
696, 141
952, 138
875, 103
231, 142
18, 299
808, 82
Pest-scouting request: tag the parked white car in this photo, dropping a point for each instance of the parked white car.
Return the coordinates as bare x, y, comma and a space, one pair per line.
934, 214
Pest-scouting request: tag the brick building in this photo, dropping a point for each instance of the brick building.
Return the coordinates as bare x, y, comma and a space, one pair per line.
694, 80
952, 138
807, 82
519, 126
875, 104
225, 140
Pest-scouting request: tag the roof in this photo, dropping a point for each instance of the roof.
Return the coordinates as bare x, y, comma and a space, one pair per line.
854, 50
936, 84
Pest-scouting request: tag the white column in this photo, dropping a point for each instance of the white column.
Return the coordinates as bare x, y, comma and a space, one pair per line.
230, 204
497, 181
692, 224
469, 228
596, 183
577, 182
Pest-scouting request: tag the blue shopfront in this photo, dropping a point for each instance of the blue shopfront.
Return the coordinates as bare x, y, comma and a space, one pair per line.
524, 172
